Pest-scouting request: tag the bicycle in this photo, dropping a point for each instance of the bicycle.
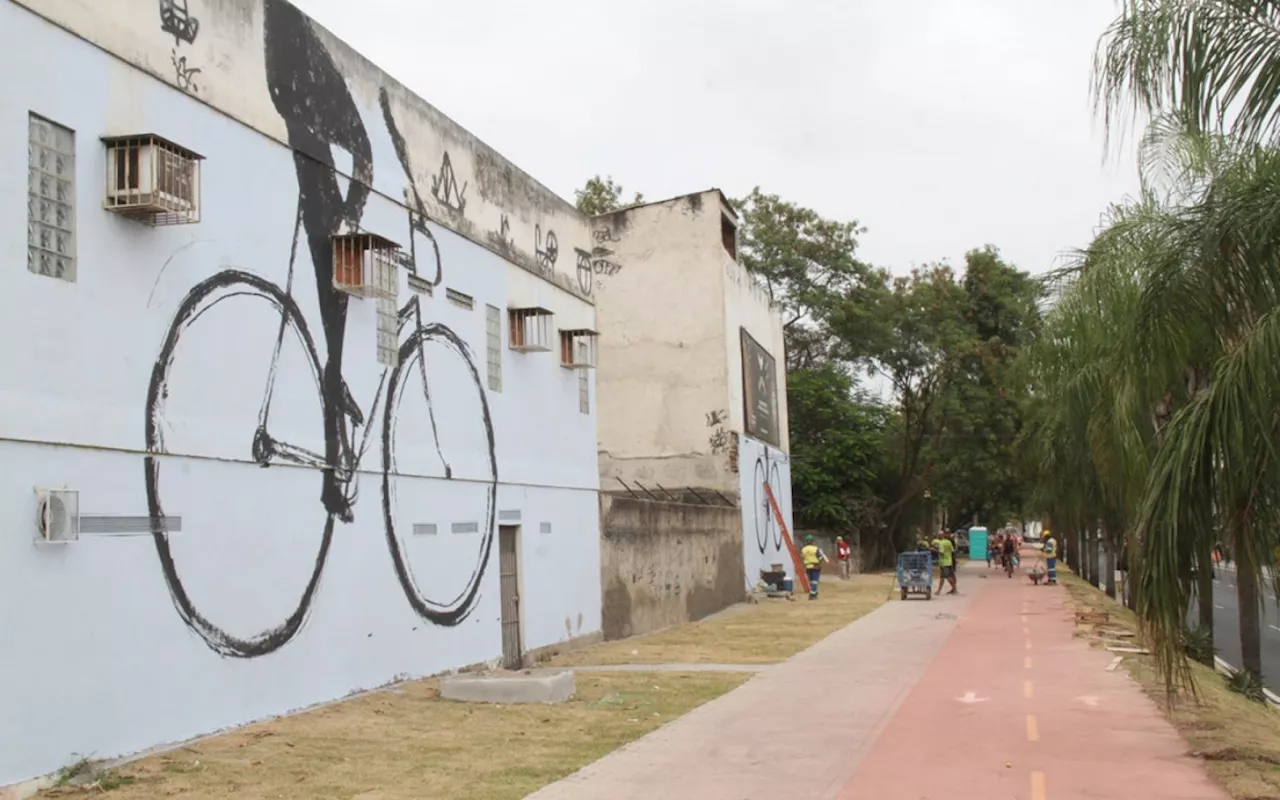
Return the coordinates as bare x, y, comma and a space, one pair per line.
323, 210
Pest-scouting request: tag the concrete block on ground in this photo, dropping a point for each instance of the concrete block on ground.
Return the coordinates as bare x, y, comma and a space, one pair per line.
539, 687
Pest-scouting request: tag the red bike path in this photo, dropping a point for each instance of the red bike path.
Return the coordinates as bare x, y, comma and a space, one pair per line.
1014, 706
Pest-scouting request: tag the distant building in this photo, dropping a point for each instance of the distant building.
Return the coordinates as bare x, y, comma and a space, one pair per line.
297, 394
691, 387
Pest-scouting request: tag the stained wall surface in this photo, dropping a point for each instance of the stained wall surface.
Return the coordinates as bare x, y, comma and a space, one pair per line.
676, 382
271, 516
664, 563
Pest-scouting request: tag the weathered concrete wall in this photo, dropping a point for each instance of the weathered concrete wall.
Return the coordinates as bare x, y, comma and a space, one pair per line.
659, 292
665, 563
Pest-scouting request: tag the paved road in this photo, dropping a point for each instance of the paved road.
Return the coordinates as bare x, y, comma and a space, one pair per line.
1226, 628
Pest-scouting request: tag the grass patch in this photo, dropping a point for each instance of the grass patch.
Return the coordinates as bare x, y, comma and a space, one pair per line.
1238, 739
764, 633
406, 744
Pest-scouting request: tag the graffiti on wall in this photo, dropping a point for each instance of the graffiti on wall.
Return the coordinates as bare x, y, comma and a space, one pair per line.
444, 187
177, 21
311, 96
546, 251
719, 440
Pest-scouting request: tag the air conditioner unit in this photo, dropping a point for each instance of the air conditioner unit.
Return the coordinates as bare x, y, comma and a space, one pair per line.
57, 515
152, 180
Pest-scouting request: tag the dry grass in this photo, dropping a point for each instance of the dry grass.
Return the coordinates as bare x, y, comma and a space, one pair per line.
408, 743
1238, 739
765, 633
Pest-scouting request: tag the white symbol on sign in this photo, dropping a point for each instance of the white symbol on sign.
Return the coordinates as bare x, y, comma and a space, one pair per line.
970, 697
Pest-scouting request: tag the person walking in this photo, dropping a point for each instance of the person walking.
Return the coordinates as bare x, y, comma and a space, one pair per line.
844, 557
946, 550
813, 559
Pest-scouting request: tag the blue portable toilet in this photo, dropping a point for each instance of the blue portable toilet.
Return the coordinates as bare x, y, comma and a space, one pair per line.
978, 542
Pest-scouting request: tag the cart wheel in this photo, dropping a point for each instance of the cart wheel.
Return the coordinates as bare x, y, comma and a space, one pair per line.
928, 593
904, 593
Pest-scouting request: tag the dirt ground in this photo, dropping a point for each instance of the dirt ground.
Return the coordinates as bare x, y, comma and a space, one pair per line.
1238, 739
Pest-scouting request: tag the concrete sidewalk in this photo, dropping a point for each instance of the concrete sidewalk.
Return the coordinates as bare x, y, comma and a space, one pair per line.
982, 695
798, 729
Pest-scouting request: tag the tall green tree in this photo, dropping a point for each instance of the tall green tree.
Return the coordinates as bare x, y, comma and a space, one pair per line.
977, 471
805, 261
837, 449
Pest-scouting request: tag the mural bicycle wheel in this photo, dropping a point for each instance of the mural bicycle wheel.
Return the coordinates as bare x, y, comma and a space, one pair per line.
240, 527
435, 394
760, 506
775, 483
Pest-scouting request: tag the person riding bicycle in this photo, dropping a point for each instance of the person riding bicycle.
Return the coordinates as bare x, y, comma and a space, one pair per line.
1009, 552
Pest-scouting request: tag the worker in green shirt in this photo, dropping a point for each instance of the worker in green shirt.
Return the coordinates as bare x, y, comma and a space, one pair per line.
946, 561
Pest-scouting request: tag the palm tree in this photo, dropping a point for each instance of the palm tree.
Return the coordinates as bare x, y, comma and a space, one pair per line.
1216, 65
1216, 62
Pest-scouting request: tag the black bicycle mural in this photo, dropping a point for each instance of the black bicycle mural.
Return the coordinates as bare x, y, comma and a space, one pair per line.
311, 95
766, 473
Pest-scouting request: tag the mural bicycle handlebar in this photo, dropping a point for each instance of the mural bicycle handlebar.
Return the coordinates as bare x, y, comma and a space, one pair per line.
312, 97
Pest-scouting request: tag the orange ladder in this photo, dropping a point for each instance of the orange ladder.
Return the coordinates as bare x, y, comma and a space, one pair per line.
801, 575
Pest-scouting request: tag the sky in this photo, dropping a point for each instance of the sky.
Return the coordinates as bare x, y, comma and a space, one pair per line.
939, 125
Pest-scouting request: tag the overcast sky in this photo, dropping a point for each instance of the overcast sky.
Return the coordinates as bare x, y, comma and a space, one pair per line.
940, 125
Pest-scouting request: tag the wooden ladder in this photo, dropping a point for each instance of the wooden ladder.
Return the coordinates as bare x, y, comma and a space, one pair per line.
801, 575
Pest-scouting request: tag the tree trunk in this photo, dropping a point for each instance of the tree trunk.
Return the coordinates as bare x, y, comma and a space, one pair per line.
1095, 569
1247, 600
1204, 585
1110, 577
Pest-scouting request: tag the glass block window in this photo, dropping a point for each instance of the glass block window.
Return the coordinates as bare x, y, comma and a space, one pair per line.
493, 346
388, 332
51, 199
584, 391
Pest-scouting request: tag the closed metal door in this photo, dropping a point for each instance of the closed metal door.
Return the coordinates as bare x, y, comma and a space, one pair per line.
509, 578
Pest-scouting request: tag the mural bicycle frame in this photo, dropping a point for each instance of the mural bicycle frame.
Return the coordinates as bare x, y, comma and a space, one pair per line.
319, 112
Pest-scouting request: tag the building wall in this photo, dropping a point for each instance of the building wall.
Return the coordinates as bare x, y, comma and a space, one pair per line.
664, 563
662, 377
141, 385
762, 542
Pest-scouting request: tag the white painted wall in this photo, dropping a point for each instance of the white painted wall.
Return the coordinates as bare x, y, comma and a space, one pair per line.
97, 658
762, 541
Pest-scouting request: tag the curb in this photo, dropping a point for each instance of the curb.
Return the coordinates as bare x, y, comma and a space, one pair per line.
1226, 669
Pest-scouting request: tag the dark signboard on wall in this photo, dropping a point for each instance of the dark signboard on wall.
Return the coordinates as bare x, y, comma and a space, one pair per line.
760, 392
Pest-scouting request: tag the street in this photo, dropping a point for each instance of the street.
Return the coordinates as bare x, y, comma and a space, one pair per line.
1226, 627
